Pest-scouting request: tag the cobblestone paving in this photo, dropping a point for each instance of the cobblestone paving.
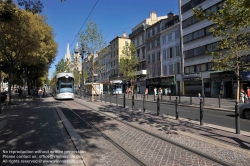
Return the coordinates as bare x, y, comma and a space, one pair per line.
105, 153
164, 128
151, 149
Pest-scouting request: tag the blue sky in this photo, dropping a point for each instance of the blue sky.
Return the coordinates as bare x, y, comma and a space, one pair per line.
113, 17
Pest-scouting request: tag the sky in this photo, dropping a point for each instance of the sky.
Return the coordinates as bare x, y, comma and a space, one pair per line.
113, 17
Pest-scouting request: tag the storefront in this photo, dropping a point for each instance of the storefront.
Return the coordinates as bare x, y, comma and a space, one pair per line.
222, 83
192, 84
168, 84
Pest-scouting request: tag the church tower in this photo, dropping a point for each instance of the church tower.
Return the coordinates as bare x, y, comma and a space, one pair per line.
77, 59
67, 60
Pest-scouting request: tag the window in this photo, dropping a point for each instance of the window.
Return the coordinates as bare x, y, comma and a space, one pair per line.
158, 56
201, 32
190, 37
171, 52
186, 70
159, 71
158, 42
177, 34
177, 50
198, 68
165, 70
164, 54
171, 69
191, 69
142, 37
148, 58
196, 34
163, 39
204, 67
153, 57
178, 68
153, 44
210, 65
170, 37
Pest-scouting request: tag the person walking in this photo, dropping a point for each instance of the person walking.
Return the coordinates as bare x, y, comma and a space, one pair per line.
155, 91
242, 96
40, 93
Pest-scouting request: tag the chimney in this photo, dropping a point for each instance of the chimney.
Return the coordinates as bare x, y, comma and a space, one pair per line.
153, 17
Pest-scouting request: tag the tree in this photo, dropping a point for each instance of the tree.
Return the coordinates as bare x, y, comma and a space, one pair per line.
26, 40
92, 41
60, 67
128, 64
232, 31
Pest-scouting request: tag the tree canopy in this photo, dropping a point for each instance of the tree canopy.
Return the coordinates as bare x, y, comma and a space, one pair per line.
27, 41
128, 63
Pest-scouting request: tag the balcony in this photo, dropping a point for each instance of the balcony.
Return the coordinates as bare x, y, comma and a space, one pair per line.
142, 72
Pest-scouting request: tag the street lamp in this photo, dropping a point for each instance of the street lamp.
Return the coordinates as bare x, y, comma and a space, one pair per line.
83, 80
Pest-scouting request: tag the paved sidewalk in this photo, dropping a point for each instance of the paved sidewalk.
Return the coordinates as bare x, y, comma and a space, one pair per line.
33, 130
216, 141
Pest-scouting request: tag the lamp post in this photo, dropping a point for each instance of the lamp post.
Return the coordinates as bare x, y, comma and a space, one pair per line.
83, 80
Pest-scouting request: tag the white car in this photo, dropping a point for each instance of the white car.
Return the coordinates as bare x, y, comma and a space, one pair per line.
245, 110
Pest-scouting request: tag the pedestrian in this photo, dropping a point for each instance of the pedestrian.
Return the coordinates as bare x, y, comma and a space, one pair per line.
160, 91
146, 91
166, 91
245, 97
199, 95
242, 96
248, 92
40, 93
155, 91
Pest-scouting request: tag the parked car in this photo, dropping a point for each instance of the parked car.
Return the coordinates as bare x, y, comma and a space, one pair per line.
245, 110
3, 96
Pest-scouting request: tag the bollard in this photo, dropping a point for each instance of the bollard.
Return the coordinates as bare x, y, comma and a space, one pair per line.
176, 109
116, 99
143, 103
201, 112
237, 118
147, 96
133, 101
154, 97
110, 98
245, 100
161, 97
141, 96
124, 100
191, 102
158, 105
219, 100
101, 97
179, 98
170, 98
136, 95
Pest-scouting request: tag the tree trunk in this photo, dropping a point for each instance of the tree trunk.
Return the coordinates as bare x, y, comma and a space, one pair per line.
10, 81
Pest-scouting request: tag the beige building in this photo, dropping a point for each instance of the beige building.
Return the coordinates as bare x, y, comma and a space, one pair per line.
138, 37
116, 47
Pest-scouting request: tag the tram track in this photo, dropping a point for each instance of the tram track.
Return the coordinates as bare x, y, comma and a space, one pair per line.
182, 150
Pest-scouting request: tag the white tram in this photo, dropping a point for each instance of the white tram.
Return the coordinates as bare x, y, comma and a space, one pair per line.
64, 87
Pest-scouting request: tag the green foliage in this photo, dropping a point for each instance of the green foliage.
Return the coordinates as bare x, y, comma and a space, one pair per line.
92, 41
60, 67
128, 62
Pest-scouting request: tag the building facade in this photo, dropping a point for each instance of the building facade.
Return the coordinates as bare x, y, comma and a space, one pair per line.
197, 40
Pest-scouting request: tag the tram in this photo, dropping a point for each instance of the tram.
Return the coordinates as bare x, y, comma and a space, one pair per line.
64, 86
117, 87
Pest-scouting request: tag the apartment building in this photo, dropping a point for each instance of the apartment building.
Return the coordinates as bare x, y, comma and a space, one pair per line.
197, 39
138, 38
116, 47
104, 61
171, 75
